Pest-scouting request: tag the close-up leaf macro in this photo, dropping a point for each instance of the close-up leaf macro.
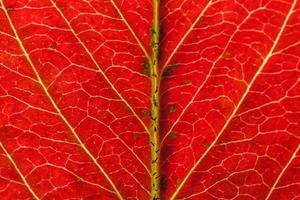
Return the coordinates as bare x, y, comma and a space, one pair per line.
149, 99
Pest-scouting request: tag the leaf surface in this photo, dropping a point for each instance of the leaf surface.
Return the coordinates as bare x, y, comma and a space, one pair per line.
78, 108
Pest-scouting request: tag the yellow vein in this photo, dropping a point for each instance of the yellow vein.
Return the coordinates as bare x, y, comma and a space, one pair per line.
75, 175
203, 83
186, 34
282, 172
31, 106
155, 103
130, 29
125, 144
240, 102
99, 69
18, 171
56, 107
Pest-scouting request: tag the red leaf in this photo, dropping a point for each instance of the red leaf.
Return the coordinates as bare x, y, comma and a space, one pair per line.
182, 99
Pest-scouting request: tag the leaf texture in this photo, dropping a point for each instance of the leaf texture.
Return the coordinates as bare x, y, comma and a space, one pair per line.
77, 93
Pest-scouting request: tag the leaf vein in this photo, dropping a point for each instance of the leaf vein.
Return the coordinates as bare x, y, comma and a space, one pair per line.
186, 35
268, 56
56, 107
130, 29
18, 170
282, 172
99, 68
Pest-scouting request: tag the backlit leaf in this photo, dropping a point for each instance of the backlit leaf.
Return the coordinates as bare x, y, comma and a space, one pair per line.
148, 99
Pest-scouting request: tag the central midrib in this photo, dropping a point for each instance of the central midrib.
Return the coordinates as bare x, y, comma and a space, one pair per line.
154, 129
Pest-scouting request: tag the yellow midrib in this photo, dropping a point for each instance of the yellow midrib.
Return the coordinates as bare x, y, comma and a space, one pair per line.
155, 104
